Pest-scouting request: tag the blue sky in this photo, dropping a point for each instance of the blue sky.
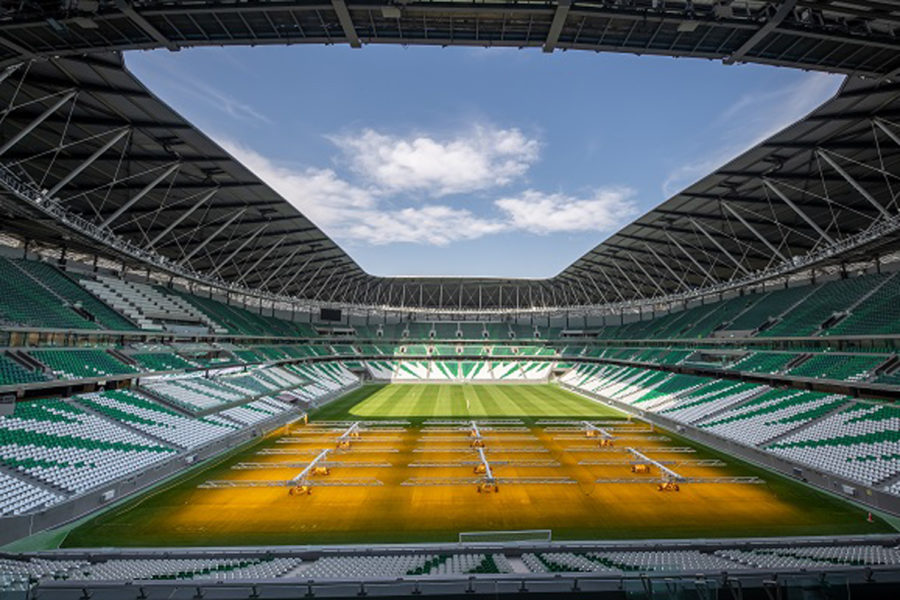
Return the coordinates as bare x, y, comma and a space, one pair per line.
475, 162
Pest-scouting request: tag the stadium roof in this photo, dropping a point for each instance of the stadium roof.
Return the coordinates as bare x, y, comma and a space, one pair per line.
133, 179
849, 36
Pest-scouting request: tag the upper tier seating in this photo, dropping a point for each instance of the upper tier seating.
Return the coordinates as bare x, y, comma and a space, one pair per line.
497, 331
472, 331
522, 332
273, 352
445, 331
808, 317
82, 364
846, 367
74, 294
769, 307
149, 306
418, 331
878, 314
26, 302
40, 295
343, 349
249, 355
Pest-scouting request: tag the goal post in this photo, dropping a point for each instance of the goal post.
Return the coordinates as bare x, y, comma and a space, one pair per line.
510, 536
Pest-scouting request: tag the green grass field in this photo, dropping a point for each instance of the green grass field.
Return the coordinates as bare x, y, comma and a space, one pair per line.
180, 513
475, 401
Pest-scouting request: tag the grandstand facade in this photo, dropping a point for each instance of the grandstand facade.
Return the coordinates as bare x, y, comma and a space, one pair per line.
153, 323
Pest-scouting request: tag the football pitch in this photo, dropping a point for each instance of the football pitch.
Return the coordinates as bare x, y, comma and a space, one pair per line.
469, 401
422, 456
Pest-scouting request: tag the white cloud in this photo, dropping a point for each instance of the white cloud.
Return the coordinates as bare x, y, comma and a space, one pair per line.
319, 194
538, 212
752, 119
478, 159
431, 224
353, 213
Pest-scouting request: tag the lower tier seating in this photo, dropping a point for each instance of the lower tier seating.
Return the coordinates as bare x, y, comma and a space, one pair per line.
72, 450
21, 572
156, 420
53, 449
627, 561
185, 569
18, 496
400, 565
861, 442
854, 439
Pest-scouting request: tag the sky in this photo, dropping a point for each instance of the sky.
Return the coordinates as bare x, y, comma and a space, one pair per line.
475, 162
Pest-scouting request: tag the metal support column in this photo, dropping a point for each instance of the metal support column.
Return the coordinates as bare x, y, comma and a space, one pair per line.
769, 184
37, 121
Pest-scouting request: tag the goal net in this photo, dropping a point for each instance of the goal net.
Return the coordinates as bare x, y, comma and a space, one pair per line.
493, 537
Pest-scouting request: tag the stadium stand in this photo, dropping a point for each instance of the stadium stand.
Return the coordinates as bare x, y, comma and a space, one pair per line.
80, 364
846, 367
384, 566
86, 304
763, 362
150, 307
829, 432
18, 496
860, 442
399, 565
155, 420
875, 314
13, 373
61, 445
27, 302
163, 305
160, 361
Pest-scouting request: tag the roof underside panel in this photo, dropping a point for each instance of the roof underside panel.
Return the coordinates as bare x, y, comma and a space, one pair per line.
851, 36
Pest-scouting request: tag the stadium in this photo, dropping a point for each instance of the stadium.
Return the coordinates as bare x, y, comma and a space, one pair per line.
203, 395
